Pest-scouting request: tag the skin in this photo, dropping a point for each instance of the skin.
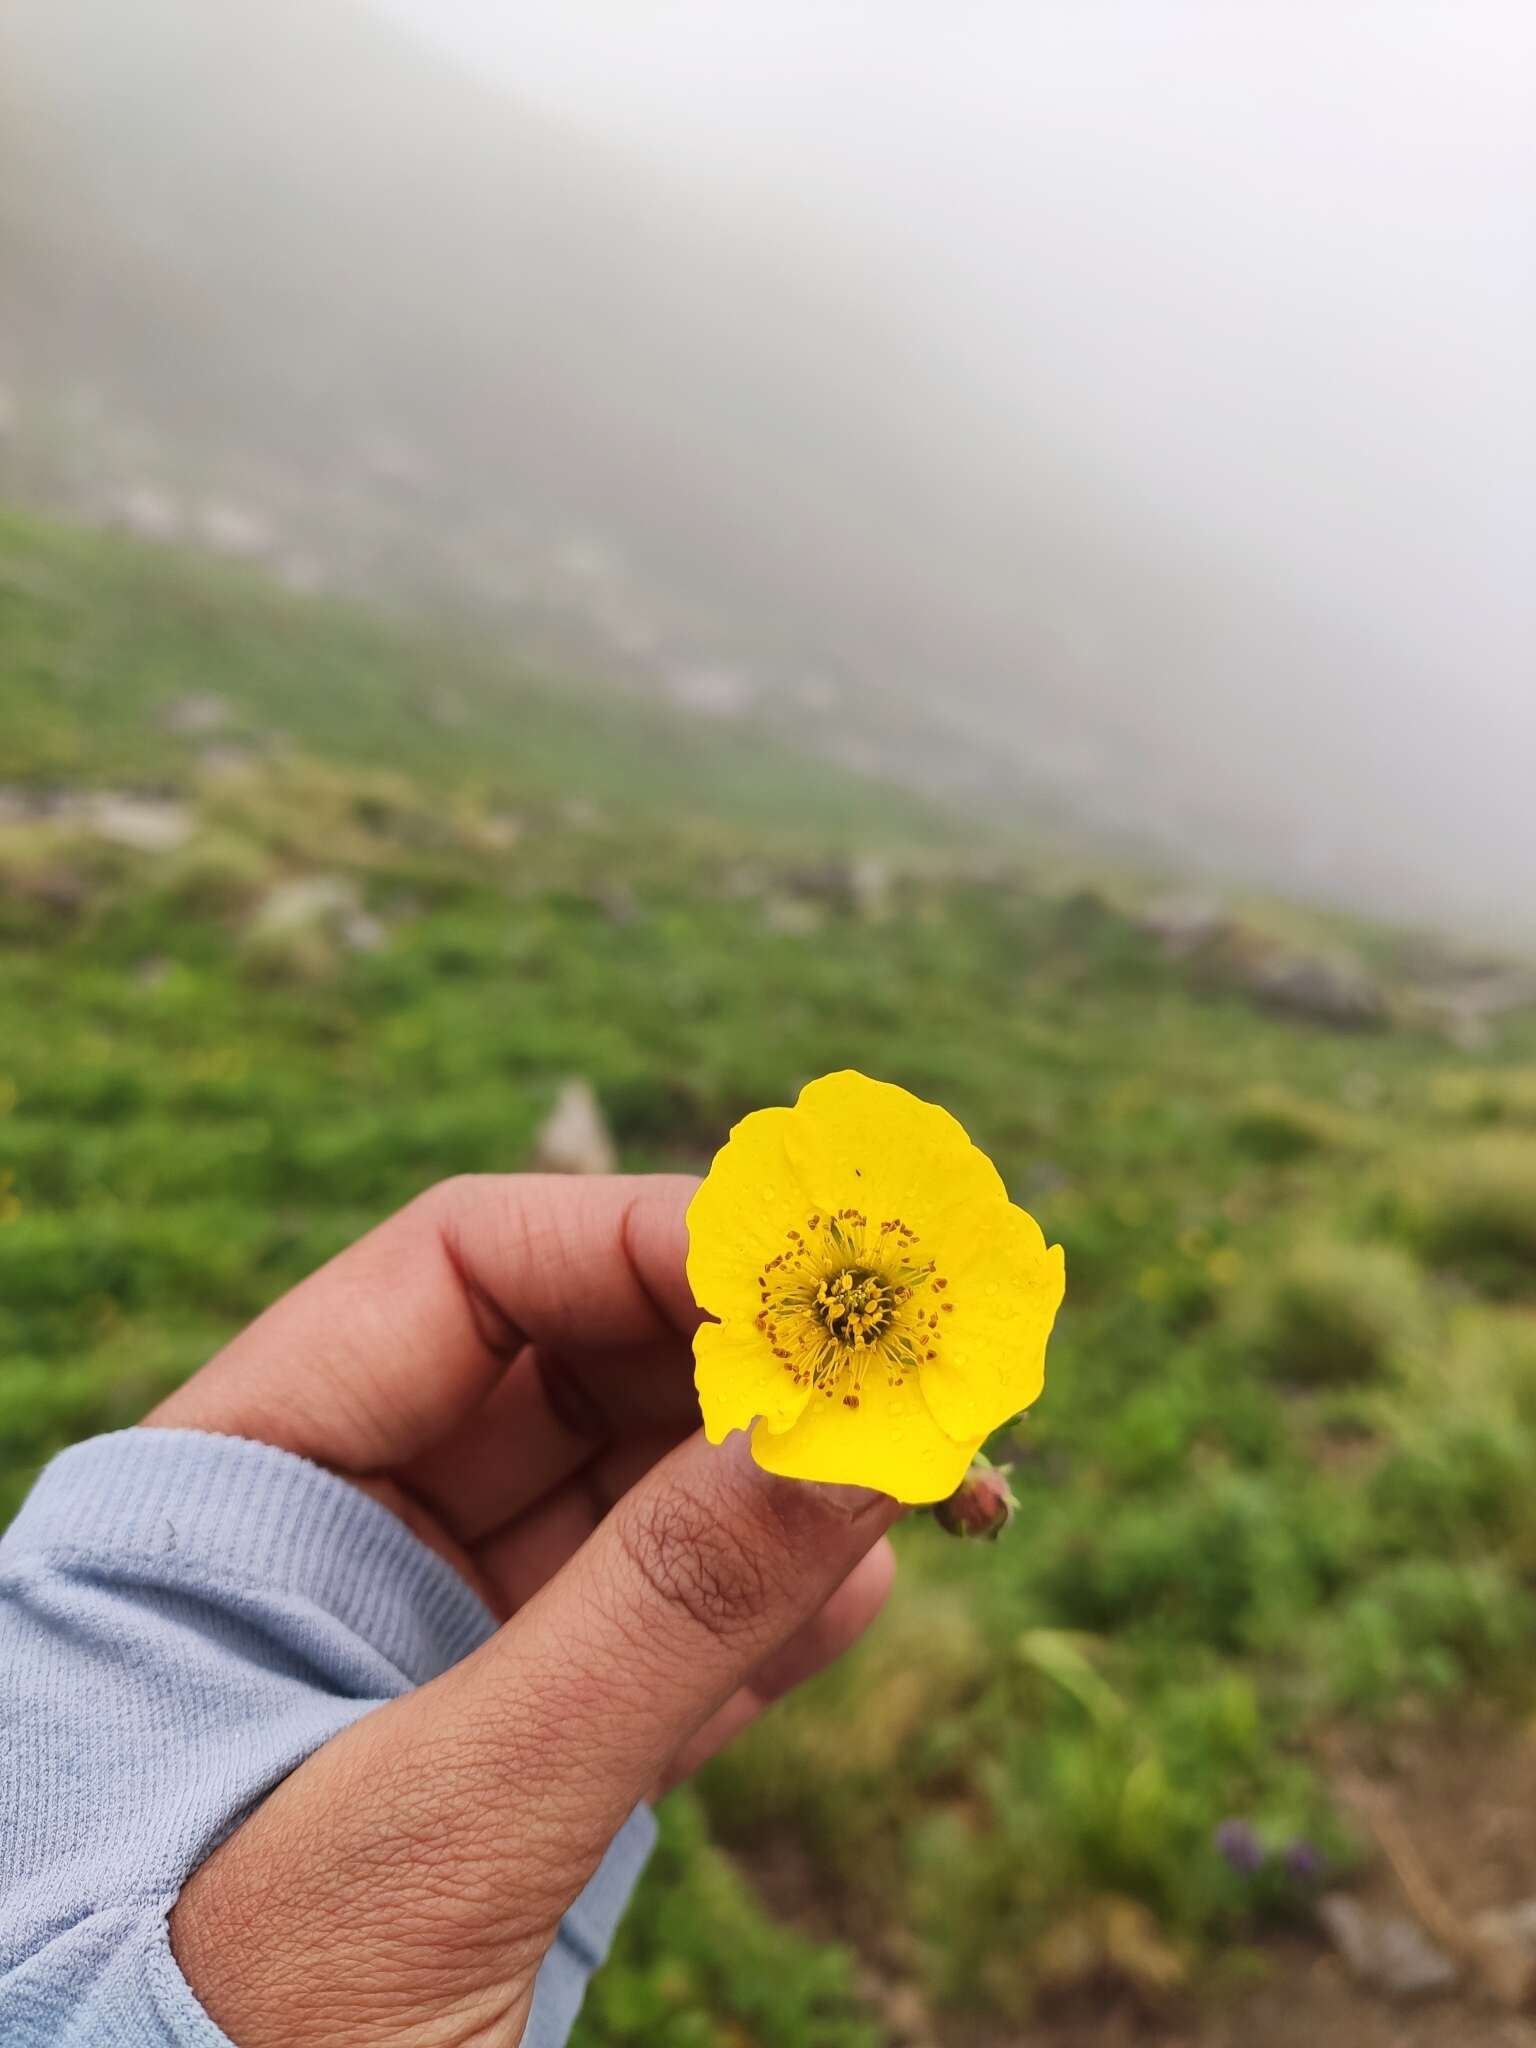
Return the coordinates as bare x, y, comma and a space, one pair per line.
506, 1364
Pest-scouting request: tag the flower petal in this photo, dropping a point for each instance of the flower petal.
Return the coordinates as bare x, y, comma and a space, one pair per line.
739, 1217
739, 1378
852, 1140
889, 1441
1004, 1288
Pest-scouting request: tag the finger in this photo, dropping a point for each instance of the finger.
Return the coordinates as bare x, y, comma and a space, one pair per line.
429, 1851
544, 1421
820, 1642
699, 1574
385, 1350
526, 1553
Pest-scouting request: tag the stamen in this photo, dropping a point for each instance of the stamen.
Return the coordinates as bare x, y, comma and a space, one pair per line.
833, 1301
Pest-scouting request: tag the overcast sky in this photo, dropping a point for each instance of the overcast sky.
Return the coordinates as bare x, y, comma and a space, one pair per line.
1265, 273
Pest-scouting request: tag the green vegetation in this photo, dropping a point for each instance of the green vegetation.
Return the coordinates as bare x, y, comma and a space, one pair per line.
1333, 1312
1475, 1207
1281, 1469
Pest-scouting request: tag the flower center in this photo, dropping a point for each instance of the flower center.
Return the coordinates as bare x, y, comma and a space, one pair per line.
855, 1306
844, 1293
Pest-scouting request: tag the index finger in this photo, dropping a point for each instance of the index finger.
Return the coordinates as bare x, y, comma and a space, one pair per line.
379, 1354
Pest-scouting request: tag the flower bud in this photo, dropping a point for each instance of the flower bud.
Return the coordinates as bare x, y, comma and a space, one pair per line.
982, 1504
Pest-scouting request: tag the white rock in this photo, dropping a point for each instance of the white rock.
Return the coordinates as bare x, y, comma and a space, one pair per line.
1184, 923
239, 531
150, 512
143, 824
1385, 1950
306, 901
1328, 989
361, 932
870, 884
196, 716
500, 832
716, 689
574, 1137
791, 917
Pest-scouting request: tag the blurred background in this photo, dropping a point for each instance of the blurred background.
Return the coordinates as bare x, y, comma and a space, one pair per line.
566, 567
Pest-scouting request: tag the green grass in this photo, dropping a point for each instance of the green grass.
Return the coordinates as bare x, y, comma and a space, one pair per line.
1279, 1471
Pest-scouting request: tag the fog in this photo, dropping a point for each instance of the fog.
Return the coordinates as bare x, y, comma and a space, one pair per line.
1140, 392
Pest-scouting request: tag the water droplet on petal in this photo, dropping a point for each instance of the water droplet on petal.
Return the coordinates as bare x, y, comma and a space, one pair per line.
769, 1193
990, 1288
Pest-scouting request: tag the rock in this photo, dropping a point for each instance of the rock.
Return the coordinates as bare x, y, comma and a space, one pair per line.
1333, 990
238, 531
308, 900
791, 917
143, 824
716, 689
1185, 923
1386, 1950
300, 928
870, 885
220, 763
323, 904
500, 832
361, 932
1465, 1010
150, 513
574, 1137
197, 716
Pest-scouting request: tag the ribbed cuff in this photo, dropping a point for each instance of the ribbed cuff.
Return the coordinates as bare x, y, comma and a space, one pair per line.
586, 1933
589, 1925
264, 1515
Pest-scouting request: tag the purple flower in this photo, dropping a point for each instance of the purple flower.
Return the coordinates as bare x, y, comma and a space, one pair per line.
1236, 1842
1304, 1863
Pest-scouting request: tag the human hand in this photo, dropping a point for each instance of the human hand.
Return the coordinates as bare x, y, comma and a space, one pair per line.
506, 1364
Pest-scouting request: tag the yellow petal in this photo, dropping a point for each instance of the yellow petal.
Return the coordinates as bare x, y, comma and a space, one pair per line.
740, 1216
854, 1142
889, 1441
739, 1378
1004, 1288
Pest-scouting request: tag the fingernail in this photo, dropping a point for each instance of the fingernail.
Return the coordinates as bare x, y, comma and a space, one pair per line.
850, 1500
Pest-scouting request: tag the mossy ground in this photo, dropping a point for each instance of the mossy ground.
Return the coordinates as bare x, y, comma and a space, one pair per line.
1256, 1499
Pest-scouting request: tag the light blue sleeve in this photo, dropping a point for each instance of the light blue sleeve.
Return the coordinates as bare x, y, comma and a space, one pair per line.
183, 1619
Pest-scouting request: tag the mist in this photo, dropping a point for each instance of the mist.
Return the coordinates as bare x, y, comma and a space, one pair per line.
1135, 395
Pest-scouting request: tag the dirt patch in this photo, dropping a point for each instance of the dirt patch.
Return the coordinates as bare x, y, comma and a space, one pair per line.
1463, 1798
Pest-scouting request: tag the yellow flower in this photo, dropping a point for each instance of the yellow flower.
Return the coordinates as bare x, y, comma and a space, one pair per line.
882, 1305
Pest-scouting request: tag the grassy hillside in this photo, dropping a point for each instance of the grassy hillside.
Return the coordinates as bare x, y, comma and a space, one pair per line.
299, 914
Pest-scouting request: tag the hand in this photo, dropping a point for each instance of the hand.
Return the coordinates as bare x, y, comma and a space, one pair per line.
506, 1364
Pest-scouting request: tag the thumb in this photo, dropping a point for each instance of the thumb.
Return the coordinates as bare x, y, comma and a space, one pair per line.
403, 1885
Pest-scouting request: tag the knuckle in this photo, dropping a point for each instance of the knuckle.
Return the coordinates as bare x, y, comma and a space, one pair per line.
447, 1199
694, 1564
